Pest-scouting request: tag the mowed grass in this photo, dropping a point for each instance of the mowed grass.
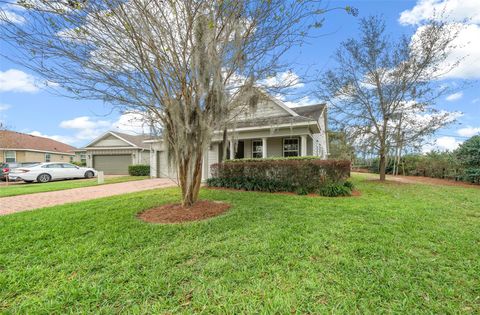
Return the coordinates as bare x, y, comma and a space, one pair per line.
23, 189
398, 248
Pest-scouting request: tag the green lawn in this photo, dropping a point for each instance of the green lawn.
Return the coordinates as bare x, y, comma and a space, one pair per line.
396, 249
23, 189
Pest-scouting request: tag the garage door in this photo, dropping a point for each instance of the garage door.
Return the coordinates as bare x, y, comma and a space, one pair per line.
112, 164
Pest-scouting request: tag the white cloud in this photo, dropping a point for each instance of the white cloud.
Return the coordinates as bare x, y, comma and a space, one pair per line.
287, 79
455, 10
64, 139
87, 128
132, 122
4, 107
454, 96
468, 131
304, 101
476, 100
447, 143
467, 45
7, 16
14, 80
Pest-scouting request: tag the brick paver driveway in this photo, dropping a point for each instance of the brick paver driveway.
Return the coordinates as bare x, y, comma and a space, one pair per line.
46, 199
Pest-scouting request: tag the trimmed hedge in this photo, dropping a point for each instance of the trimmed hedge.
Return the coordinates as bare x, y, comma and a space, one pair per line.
301, 175
139, 170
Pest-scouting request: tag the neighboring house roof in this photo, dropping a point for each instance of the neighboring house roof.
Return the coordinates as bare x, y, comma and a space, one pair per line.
25, 142
135, 141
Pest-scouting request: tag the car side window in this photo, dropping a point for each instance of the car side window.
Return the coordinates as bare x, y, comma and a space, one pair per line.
53, 166
66, 165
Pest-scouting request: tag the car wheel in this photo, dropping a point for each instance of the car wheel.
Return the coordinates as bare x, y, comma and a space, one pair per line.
44, 178
89, 174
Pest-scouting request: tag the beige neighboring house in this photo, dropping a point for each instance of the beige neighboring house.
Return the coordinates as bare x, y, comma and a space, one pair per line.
271, 130
21, 147
114, 151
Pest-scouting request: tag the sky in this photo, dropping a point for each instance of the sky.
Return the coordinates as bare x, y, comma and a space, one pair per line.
27, 106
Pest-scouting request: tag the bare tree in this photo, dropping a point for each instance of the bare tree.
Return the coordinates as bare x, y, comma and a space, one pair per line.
383, 90
185, 63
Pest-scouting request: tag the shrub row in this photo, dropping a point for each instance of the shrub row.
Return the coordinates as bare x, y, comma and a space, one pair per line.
304, 175
139, 170
462, 164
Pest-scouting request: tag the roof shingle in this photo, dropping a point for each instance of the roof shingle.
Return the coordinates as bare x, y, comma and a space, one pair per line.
16, 140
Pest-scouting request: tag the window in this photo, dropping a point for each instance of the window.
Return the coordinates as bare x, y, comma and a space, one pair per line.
66, 165
53, 166
257, 148
71, 159
47, 157
83, 158
291, 147
10, 156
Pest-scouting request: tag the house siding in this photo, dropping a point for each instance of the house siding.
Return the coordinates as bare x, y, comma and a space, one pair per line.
32, 156
265, 109
111, 141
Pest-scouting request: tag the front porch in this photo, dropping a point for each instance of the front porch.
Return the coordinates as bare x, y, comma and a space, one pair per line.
267, 147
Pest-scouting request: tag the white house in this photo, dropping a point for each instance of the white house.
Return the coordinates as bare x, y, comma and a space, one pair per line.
271, 130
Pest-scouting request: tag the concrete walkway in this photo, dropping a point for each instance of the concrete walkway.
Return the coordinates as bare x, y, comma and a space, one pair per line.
52, 198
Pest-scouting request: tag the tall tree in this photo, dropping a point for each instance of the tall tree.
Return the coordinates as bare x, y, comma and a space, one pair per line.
182, 62
383, 90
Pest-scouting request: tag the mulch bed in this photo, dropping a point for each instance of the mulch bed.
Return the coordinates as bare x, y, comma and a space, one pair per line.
355, 193
176, 213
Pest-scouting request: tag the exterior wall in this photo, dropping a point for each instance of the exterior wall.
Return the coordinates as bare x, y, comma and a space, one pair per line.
265, 108
32, 156
274, 147
309, 146
320, 146
210, 157
247, 148
143, 157
111, 141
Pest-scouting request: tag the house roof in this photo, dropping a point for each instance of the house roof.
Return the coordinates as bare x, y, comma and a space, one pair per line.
22, 141
303, 114
311, 111
135, 141
271, 121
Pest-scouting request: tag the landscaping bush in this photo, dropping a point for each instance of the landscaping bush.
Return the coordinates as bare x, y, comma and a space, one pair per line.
139, 170
301, 175
81, 164
468, 155
335, 190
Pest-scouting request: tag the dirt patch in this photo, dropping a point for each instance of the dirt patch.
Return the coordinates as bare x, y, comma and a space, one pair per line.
176, 213
432, 181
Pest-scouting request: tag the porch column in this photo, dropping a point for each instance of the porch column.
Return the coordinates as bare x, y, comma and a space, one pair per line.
232, 150
264, 148
303, 146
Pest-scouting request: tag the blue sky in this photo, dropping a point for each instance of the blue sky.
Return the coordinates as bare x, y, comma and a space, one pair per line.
27, 108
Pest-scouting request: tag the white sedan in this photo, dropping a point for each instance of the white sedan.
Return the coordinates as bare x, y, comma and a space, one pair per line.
46, 172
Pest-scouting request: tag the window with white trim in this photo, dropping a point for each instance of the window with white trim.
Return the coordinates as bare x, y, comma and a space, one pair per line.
47, 157
10, 156
257, 148
83, 158
291, 147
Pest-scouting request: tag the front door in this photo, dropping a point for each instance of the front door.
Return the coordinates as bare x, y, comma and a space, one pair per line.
240, 154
